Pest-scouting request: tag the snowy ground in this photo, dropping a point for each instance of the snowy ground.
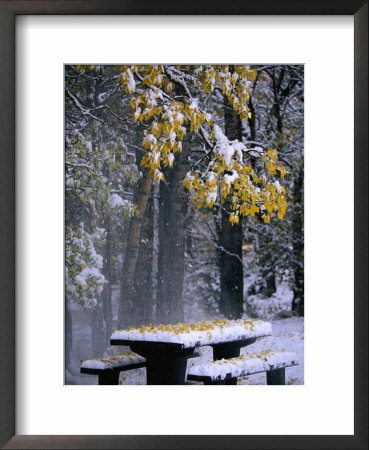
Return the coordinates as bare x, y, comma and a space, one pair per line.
277, 306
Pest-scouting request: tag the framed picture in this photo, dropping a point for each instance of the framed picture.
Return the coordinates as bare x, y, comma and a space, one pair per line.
243, 430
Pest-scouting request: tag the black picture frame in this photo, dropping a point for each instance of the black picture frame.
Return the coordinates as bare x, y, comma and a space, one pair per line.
8, 12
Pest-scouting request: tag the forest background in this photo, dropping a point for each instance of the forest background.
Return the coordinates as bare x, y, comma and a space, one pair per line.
183, 197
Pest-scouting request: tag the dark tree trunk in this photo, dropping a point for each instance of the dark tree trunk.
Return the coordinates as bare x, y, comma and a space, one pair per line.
172, 214
277, 83
98, 326
252, 121
142, 195
298, 244
142, 284
270, 285
231, 267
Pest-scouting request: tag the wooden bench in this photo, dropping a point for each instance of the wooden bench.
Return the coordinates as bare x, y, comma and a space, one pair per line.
108, 369
226, 371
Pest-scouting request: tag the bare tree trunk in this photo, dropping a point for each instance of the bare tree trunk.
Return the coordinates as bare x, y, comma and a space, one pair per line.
129, 265
98, 326
142, 283
172, 214
252, 121
277, 83
156, 191
231, 267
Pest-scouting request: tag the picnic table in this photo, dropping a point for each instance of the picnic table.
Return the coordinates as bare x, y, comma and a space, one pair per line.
167, 347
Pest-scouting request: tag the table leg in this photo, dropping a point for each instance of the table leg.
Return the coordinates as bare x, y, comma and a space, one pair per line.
166, 363
166, 371
230, 349
109, 377
277, 376
228, 381
225, 351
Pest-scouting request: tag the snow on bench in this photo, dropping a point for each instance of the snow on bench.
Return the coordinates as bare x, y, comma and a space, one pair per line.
122, 360
108, 369
226, 371
197, 333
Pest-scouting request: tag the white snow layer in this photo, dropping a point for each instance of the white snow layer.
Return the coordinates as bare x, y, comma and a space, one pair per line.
277, 186
228, 179
131, 81
197, 333
170, 157
89, 272
115, 201
244, 365
123, 359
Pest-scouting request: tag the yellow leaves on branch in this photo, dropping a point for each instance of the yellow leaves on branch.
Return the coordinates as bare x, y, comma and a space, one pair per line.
250, 190
164, 138
234, 82
170, 117
155, 104
246, 197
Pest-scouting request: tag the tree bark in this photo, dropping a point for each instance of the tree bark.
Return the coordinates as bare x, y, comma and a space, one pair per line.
252, 121
277, 82
172, 214
142, 195
142, 283
231, 267
98, 326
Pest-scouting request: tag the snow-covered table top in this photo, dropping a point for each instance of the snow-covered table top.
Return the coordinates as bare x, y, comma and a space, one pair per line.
197, 333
